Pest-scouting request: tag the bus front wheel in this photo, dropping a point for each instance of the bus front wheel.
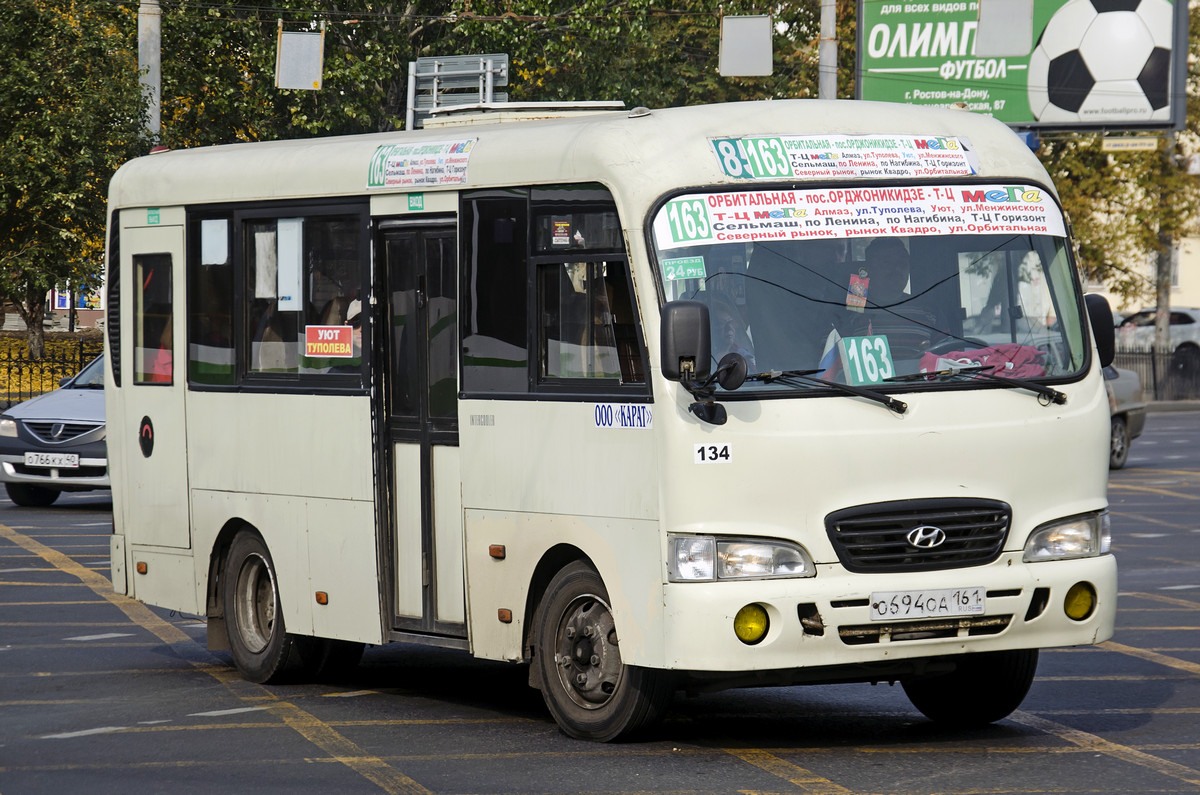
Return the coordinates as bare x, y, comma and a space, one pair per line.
261, 648
982, 688
590, 692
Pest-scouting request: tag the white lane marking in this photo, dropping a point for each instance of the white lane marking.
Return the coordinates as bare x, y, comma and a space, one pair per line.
30, 568
1148, 535
84, 733
105, 636
218, 712
1178, 587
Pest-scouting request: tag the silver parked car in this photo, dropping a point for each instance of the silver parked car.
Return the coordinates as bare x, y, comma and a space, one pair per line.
1128, 410
56, 442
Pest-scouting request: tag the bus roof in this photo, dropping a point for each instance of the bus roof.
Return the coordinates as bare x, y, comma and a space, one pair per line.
638, 155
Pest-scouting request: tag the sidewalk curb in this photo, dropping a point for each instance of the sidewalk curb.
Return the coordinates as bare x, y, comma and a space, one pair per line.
1163, 406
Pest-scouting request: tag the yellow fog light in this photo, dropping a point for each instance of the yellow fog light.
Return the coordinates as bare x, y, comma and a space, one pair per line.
751, 624
1080, 601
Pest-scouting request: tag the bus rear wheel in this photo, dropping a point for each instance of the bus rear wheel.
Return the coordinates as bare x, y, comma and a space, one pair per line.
261, 648
590, 692
982, 688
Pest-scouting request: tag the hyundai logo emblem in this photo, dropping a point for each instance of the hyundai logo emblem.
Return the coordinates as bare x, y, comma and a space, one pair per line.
926, 537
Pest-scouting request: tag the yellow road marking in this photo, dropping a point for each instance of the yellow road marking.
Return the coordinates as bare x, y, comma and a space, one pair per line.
806, 780
1169, 600
1091, 742
49, 604
1148, 520
1154, 657
64, 623
1149, 490
308, 726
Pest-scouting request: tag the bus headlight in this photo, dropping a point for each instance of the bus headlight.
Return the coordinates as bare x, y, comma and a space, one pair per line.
1078, 537
8, 427
705, 558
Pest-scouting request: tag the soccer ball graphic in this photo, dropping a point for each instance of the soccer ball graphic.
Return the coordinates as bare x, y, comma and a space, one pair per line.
1103, 61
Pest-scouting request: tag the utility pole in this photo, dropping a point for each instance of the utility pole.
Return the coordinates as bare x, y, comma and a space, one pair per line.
150, 61
827, 52
1163, 262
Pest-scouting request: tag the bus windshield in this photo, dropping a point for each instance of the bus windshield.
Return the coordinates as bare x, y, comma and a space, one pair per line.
864, 286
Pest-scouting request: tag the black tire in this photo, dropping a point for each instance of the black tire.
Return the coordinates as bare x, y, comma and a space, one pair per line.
258, 640
1118, 451
29, 496
982, 689
589, 691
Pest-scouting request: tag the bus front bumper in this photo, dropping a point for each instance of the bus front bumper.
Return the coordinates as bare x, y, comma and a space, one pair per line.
826, 620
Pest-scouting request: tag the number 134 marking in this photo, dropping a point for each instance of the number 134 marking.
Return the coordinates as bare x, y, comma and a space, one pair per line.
713, 454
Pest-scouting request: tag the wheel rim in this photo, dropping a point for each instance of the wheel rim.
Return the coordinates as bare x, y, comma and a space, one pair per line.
1118, 442
254, 603
586, 655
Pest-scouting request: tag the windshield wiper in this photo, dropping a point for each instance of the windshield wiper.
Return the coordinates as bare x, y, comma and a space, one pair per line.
1051, 394
806, 377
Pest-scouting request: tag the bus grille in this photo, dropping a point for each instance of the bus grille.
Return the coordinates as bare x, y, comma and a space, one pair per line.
878, 538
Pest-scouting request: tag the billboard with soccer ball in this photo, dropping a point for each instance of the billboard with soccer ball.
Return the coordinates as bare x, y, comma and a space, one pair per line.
1116, 64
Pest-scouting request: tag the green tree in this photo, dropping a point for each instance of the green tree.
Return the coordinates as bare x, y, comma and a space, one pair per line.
1120, 205
1129, 207
219, 58
219, 68
643, 53
73, 114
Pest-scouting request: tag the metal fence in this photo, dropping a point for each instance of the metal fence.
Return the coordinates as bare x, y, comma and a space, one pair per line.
1165, 376
22, 378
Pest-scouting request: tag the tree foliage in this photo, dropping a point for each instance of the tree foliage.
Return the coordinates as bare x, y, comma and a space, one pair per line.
219, 68
219, 58
1125, 207
73, 114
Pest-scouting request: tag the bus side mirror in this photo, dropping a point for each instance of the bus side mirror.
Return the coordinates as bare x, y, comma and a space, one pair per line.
1101, 317
685, 343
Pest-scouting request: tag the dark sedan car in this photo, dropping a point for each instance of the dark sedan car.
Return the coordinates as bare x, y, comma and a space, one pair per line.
55, 442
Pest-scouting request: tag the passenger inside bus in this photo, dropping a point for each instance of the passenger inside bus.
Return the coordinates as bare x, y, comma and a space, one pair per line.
729, 331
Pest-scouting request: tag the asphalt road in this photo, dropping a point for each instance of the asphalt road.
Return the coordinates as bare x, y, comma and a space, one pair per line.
99, 694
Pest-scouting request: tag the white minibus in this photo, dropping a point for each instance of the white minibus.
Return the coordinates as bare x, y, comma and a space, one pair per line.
765, 393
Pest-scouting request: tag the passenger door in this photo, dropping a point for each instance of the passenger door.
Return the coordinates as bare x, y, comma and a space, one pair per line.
154, 379
419, 266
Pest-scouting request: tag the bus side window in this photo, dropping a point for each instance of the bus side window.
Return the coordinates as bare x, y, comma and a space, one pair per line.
301, 276
152, 319
210, 303
587, 328
495, 356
